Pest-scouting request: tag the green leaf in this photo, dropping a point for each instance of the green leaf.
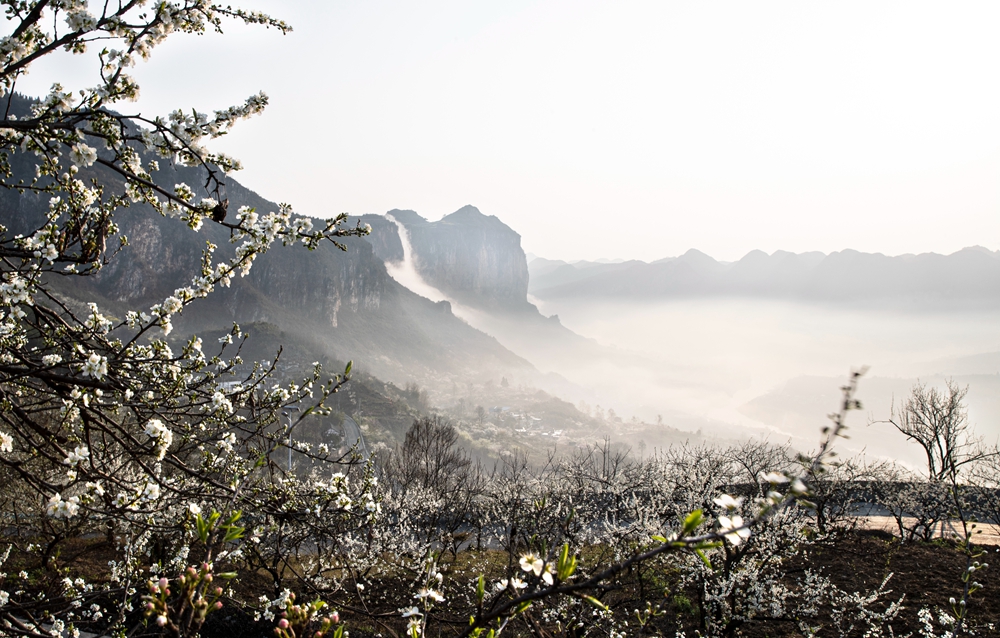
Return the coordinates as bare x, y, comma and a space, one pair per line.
522, 607
233, 533
481, 589
566, 565
347, 370
658, 538
703, 558
596, 603
691, 523
202, 528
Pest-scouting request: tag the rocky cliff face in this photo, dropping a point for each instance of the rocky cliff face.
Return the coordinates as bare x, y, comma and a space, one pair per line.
343, 300
384, 237
475, 259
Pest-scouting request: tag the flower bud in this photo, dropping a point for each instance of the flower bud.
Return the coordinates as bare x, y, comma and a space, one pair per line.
218, 605
283, 623
163, 583
161, 620
335, 617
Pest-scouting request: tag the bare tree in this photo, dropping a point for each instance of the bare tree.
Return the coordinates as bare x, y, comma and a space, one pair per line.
430, 456
938, 422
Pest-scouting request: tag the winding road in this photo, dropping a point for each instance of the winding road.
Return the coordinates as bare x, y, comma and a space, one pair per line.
352, 437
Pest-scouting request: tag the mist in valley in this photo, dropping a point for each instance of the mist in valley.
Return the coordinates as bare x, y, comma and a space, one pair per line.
728, 366
774, 369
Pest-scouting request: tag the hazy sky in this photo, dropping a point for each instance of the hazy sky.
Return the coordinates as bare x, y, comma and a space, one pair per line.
600, 129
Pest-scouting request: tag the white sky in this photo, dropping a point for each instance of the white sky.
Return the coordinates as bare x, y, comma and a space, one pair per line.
600, 129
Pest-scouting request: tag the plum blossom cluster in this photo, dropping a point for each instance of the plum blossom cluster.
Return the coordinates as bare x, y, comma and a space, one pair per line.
108, 429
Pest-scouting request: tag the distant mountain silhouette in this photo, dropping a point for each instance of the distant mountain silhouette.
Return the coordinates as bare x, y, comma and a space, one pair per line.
969, 277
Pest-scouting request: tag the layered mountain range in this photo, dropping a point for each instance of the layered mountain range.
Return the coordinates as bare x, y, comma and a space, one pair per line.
969, 277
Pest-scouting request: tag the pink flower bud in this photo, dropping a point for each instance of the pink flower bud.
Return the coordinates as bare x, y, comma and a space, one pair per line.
218, 605
163, 583
283, 623
161, 620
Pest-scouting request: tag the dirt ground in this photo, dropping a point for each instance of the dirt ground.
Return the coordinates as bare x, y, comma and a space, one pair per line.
986, 534
924, 574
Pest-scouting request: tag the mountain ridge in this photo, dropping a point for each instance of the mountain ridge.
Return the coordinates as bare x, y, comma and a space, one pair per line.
344, 301
970, 276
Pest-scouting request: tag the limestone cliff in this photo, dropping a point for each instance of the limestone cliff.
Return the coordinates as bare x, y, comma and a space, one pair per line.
473, 258
343, 300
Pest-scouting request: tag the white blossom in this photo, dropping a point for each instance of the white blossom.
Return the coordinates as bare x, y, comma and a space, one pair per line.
95, 366
727, 502
532, 563
80, 454
735, 523
59, 508
161, 434
221, 403
83, 155
151, 491
774, 477
172, 305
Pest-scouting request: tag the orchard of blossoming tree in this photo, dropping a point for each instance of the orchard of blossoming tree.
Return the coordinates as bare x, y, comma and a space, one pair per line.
147, 486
